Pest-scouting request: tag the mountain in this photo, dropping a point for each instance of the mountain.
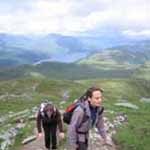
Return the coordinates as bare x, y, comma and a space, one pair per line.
14, 56
116, 62
55, 47
121, 57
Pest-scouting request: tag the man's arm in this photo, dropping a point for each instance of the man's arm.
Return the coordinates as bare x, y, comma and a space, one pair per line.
102, 131
100, 126
38, 122
60, 123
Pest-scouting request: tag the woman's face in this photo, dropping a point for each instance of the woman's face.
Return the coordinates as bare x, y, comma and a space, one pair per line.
96, 98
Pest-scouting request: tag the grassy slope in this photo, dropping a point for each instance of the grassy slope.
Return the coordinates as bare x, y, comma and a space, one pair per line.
55, 70
132, 136
143, 72
31, 91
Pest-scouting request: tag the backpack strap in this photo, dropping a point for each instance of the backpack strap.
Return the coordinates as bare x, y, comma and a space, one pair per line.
42, 106
84, 116
101, 110
54, 108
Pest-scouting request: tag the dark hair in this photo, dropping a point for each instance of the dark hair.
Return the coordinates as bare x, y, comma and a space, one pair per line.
89, 93
49, 107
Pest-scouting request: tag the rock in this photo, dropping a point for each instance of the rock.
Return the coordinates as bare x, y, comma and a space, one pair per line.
20, 125
32, 117
29, 139
8, 138
110, 111
146, 100
62, 102
24, 112
128, 105
19, 120
65, 95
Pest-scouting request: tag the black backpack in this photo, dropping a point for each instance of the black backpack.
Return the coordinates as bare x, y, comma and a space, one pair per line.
69, 112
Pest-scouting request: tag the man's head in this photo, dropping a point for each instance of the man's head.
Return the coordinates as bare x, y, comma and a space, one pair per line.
94, 95
49, 110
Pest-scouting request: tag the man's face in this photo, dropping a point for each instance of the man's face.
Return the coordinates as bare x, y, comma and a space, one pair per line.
96, 98
49, 113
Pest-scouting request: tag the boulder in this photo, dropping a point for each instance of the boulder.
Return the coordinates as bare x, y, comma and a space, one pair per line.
128, 105
29, 139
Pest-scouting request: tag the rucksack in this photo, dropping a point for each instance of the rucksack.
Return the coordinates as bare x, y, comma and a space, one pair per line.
69, 111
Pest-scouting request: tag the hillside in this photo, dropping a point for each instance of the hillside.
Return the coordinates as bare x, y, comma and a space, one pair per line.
21, 96
143, 72
13, 56
123, 72
55, 47
121, 57
57, 70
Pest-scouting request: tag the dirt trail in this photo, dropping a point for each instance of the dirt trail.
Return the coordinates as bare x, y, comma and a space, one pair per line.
38, 144
94, 144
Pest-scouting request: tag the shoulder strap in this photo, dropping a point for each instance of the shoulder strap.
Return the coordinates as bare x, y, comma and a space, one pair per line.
42, 106
83, 117
101, 110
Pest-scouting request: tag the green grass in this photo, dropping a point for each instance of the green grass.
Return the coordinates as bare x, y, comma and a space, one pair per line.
136, 134
133, 135
23, 133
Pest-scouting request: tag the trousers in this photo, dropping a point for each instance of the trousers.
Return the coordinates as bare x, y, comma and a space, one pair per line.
50, 136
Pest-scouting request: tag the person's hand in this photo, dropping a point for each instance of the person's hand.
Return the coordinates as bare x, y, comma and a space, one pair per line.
39, 135
62, 135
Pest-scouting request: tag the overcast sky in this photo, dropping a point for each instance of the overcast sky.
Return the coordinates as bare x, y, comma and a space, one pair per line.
129, 17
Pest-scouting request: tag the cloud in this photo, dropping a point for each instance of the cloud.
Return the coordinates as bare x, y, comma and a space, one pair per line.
137, 34
73, 16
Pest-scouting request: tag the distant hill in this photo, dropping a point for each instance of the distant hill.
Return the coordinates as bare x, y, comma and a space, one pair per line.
52, 46
57, 70
36, 56
143, 72
121, 57
12, 54
56, 47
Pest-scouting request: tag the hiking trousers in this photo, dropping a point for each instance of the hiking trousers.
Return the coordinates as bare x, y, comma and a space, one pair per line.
50, 136
82, 145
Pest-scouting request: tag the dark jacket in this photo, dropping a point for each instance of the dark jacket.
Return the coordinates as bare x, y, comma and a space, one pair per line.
55, 120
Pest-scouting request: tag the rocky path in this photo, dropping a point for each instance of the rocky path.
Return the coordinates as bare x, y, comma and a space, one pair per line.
38, 144
95, 142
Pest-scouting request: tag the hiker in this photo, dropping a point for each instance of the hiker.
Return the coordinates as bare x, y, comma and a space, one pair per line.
49, 118
85, 116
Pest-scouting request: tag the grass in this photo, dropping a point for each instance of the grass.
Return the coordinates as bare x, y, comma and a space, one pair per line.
134, 135
25, 132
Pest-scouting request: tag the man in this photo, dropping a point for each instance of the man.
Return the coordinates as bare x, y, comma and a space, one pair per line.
85, 116
49, 118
